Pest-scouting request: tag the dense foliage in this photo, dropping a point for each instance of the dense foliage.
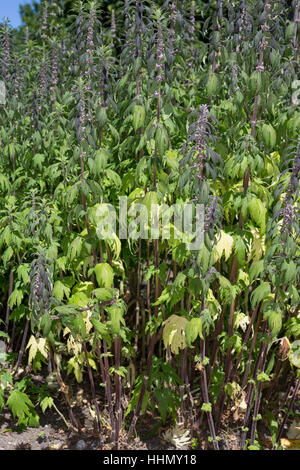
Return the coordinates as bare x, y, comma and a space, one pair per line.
175, 102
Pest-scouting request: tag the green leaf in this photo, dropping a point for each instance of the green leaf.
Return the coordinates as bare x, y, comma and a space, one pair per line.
100, 327
295, 354
20, 405
45, 324
16, 298
75, 248
260, 293
256, 269
101, 159
7, 255
138, 117
192, 330
116, 318
257, 212
101, 116
212, 84
104, 274
23, 273
263, 377
290, 271
206, 407
161, 140
47, 402
274, 321
105, 294
150, 199
80, 299
240, 250
60, 290
269, 135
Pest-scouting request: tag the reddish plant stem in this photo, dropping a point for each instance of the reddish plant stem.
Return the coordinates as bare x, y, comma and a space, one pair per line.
181, 387
22, 348
118, 382
258, 395
287, 393
296, 389
92, 384
295, 42
227, 364
10, 289
251, 390
107, 382
216, 342
144, 386
137, 305
274, 381
157, 290
118, 392
206, 398
246, 338
85, 209
247, 371
64, 389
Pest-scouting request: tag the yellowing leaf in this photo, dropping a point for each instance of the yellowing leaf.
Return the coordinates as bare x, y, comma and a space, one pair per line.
43, 346
179, 436
293, 444
73, 346
276, 157
257, 246
88, 324
225, 243
116, 246
33, 348
174, 333
34, 345
74, 365
294, 430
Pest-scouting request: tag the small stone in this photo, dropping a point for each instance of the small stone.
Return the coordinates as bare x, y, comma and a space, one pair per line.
54, 447
81, 445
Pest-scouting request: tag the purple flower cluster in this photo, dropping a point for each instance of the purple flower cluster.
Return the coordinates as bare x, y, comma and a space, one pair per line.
192, 23
264, 42
113, 28
82, 119
43, 83
244, 26
200, 137
128, 24
44, 21
234, 74
16, 81
160, 54
293, 187
6, 47
210, 215
90, 46
54, 77
53, 12
41, 282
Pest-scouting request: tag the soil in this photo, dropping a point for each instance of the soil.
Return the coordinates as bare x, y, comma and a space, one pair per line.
53, 433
